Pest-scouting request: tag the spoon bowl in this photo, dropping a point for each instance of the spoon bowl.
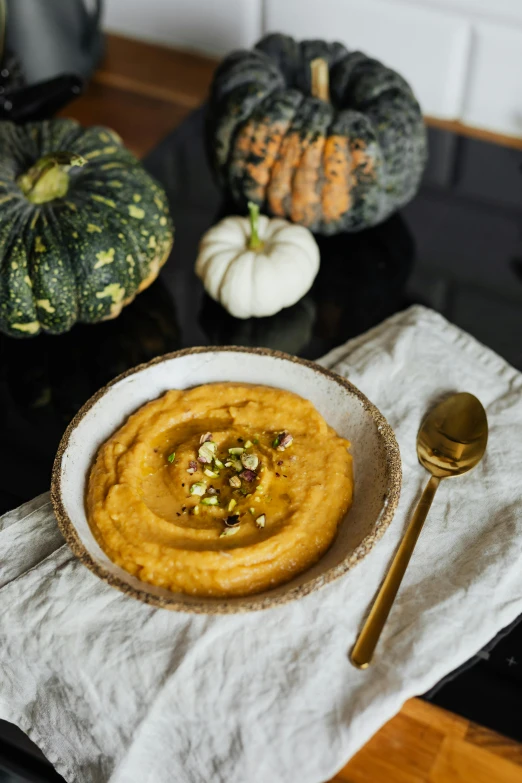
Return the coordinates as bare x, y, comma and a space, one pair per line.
453, 436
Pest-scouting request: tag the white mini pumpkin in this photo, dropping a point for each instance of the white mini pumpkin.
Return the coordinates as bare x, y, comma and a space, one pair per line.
256, 266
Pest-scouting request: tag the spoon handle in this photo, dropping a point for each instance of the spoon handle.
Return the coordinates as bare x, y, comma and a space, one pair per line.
365, 645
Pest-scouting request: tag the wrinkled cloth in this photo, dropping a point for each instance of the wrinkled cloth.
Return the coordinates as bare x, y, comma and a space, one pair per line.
115, 691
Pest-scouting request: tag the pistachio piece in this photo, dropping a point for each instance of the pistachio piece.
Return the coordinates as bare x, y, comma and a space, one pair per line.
250, 461
236, 450
237, 465
198, 488
228, 464
232, 521
235, 482
206, 452
229, 531
195, 510
212, 491
218, 464
248, 475
248, 444
260, 521
232, 505
252, 510
211, 501
283, 441
210, 473
193, 466
172, 457
204, 438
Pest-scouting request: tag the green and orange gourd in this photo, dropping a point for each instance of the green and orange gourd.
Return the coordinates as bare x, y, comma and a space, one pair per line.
327, 138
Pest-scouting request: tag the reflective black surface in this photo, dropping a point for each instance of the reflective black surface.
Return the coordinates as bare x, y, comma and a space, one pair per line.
457, 248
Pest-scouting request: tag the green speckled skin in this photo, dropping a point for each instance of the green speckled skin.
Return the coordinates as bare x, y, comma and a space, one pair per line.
371, 106
84, 256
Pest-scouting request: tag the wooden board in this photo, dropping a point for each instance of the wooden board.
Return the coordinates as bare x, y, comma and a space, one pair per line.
143, 91
425, 744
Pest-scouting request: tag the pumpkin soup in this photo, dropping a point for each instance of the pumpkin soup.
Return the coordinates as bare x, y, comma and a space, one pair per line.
225, 489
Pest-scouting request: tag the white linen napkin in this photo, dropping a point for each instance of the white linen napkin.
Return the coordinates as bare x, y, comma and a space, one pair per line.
115, 691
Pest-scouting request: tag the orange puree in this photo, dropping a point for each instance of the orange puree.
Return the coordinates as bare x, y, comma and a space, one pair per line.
240, 521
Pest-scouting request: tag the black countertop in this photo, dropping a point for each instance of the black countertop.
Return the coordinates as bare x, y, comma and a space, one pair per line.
457, 247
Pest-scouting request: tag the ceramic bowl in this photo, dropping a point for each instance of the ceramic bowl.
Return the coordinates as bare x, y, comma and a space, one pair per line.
377, 467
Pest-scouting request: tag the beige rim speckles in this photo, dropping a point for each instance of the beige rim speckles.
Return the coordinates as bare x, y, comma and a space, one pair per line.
250, 603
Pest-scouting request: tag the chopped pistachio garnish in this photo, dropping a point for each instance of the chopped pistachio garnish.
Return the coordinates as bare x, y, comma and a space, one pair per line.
248, 444
235, 482
218, 464
204, 438
232, 505
248, 475
255, 441
212, 491
172, 457
260, 521
283, 441
237, 465
207, 451
199, 488
228, 464
210, 473
211, 501
232, 521
252, 510
229, 531
193, 466
195, 510
250, 461
236, 450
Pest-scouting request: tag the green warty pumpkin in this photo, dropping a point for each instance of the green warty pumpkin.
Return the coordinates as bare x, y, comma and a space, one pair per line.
338, 159
83, 227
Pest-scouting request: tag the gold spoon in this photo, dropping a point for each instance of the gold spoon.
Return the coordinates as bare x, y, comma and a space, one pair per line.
451, 441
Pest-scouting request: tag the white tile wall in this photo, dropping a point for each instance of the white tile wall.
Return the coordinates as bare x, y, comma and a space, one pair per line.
462, 57
505, 10
494, 88
428, 48
211, 26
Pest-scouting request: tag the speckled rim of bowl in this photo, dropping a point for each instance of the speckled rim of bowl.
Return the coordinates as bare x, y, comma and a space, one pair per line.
254, 602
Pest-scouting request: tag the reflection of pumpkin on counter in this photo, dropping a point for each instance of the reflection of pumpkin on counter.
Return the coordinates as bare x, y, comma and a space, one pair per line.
328, 138
289, 330
83, 227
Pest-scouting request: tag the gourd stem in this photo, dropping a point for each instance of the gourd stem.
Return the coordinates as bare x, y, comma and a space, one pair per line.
320, 79
255, 243
48, 178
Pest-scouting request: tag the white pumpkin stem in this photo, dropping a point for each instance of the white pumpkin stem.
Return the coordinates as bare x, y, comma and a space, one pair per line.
255, 243
320, 79
48, 178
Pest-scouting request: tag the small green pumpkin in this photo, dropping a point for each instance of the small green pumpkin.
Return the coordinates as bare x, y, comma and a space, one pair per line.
83, 227
327, 138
